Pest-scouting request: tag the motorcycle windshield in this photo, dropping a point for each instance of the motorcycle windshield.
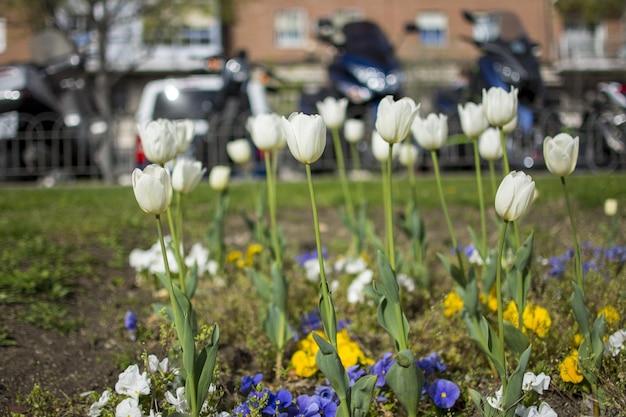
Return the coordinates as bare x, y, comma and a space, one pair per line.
364, 40
503, 26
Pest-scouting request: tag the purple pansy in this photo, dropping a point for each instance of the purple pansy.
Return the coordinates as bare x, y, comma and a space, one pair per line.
444, 393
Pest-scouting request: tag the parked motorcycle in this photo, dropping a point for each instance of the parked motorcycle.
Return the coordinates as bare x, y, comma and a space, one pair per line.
603, 132
507, 60
364, 69
48, 122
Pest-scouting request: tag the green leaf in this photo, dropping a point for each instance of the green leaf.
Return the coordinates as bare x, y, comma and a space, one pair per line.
515, 339
470, 297
453, 270
327, 359
279, 288
276, 327
489, 272
262, 285
191, 281
580, 310
514, 392
361, 395
523, 256
406, 381
205, 366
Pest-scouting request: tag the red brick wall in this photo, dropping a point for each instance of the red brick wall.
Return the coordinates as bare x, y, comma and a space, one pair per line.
18, 36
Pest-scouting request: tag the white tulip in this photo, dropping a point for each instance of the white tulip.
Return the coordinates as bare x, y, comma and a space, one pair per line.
187, 175
266, 131
431, 133
158, 140
610, 207
499, 105
152, 188
394, 118
239, 150
560, 154
407, 154
219, 177
473, 120
380, 148
515, 195
306, 136
510, 126
185, 130
489, 145
354, 130
333, 111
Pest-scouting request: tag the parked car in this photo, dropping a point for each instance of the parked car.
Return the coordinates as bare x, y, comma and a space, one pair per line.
219, 103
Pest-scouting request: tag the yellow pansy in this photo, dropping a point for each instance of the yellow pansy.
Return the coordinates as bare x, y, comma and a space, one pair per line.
570, 372
453, 303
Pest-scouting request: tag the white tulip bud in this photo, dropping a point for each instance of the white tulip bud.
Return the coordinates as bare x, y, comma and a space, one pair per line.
610, 207
266, 131
158, 140
515, 195
489, 144
219, 177
333, 111
431, 133
187, 175
394, 118
239, 150
152, 188
306, 136
499, 105
473, 120
560, 154
354, 130
185, 130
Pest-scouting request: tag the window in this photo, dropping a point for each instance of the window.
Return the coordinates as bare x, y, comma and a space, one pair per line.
343, 16
290, 28
433, 28
3, 34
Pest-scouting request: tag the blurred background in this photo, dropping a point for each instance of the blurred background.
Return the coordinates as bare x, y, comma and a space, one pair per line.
76, 76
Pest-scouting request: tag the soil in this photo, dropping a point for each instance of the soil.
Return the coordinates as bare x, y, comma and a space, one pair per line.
92, 357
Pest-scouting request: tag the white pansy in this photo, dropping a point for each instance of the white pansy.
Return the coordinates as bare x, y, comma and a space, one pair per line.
356, 289
132, 383
537, 383
154, 365
178, 401
128, 407
496, 400
615, 343
96, 408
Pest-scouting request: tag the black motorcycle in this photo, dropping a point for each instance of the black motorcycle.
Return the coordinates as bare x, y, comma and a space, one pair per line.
364, 69
508, 60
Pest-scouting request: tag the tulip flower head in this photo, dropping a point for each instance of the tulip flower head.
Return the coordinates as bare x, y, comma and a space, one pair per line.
394, 118
185, 130
158, 140
489, 145
499, 105
239, 150
431, 133
560, 154
219, 177
408, 153
510, 126
186, 175
333, 111
306, 136
354, 130
515, 195
610, 207
380, 148
473, 120
152, 188
266, 131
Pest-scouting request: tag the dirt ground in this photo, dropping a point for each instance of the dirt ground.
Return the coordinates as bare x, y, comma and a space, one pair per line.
92, 357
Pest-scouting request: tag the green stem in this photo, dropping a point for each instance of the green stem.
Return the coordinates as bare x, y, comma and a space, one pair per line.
271, 202
389, 212
176, 248
492, 174
578, 267
356, 166
326, 305
192, 385
499, 303
444, 207
342, 176
505, 157
481, 201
